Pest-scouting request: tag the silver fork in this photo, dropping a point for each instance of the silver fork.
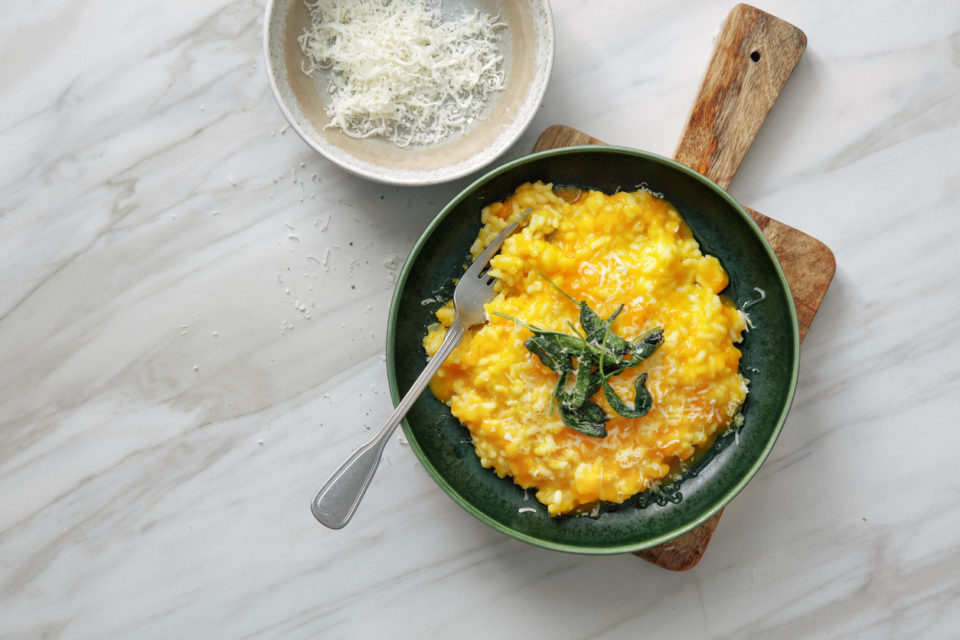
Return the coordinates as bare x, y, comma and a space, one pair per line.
338, 498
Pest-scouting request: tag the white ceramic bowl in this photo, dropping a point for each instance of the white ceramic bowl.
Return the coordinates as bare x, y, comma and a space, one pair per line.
528, 49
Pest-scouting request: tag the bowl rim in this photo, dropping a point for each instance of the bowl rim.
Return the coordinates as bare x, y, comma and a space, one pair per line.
415, 177
462, 500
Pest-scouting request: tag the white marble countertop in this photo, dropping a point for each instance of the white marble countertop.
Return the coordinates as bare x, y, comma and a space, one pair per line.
192, 328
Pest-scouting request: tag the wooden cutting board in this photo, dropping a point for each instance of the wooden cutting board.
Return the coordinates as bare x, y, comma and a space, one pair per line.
754, 55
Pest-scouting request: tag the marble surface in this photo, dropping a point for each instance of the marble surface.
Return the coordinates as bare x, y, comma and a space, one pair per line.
192, 328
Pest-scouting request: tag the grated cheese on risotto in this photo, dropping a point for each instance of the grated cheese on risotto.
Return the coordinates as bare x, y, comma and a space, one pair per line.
632, 249
400, 70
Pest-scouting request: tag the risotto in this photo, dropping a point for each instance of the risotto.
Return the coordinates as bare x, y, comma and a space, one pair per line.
631, 259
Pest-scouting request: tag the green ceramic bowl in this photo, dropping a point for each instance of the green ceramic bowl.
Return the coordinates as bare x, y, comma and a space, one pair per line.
770, 354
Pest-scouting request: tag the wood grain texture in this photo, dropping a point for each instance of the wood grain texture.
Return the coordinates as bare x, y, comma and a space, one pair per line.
752, 60
808, 264
683, 552
562, 136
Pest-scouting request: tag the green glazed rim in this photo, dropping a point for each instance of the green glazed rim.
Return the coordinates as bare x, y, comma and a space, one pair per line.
717, 476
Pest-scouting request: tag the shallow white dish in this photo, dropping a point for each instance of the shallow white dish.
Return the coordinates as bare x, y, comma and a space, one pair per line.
528, 50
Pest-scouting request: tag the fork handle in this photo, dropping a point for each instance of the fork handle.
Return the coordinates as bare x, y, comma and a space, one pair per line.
339, 497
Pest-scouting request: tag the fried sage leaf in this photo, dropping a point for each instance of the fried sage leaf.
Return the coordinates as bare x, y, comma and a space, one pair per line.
641, 348
551, 354
592, 358
588, 419
602, 334
597, 330
557, 350
588, 382
642, 401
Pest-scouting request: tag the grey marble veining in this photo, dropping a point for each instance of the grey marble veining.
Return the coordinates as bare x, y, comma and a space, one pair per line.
193, 316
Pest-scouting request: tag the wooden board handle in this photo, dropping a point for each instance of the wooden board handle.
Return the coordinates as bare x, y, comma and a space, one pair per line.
754, 55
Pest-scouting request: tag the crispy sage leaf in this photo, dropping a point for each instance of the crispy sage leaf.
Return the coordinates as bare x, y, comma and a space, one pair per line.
556, 350
600, 354
642, 401
588, 382
588, 419
602, 335
597, 330
641, 348
550, 354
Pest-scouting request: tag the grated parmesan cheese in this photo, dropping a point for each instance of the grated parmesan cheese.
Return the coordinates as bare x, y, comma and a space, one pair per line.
398, 70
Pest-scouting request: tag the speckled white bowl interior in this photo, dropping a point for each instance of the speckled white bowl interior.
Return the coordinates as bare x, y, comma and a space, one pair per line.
528, 49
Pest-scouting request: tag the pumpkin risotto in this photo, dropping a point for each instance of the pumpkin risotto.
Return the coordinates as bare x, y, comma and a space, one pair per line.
628, 249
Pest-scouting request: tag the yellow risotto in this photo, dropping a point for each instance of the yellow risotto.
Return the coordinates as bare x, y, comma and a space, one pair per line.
630, 249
